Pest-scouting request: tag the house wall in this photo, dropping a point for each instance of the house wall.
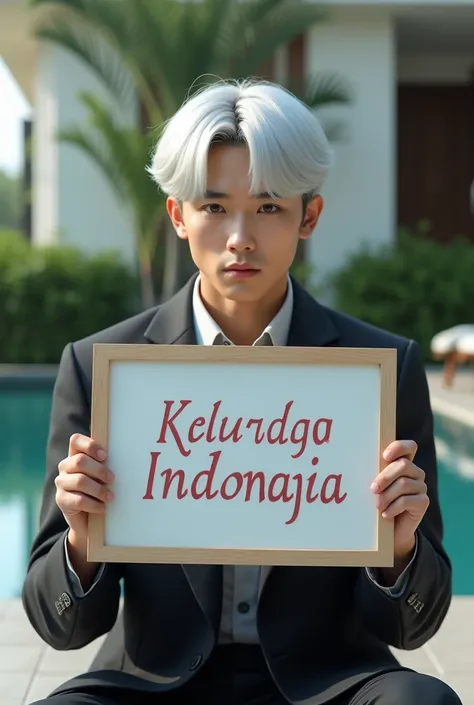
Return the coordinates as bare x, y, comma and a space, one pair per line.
44, 156
74, 203
426, 68
360, 196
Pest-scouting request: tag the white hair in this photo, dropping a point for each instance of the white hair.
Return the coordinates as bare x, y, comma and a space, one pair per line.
289, 152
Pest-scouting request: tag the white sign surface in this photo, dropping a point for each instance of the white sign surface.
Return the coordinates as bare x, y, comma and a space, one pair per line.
242, 455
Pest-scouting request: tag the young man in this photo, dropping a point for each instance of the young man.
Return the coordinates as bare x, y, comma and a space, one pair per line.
243, 165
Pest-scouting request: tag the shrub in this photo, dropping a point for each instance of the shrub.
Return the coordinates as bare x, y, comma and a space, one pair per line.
415, 289
53, 295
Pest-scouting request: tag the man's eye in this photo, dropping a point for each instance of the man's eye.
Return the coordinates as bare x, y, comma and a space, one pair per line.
213, 208
269, 208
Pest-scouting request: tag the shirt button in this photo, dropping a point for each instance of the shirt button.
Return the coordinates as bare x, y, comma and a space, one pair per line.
243, 607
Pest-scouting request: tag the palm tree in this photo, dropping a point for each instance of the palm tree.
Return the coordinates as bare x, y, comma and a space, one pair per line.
160, 50
120, 153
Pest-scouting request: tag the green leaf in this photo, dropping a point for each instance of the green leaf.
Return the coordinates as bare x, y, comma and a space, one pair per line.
262, 27
93, 148
83, 37
324, 89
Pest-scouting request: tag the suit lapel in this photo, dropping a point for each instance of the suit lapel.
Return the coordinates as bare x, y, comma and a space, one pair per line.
173, 322
311, 324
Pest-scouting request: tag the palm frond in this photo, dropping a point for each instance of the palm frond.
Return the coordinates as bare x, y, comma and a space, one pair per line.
91, 146
122, 155
106, 37
69, 5
260, 28
214, 18
86, 44
158, 52
94, 13
242, 19
324, 89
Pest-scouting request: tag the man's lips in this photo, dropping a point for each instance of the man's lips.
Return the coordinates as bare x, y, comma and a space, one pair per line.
241, 271
240, 268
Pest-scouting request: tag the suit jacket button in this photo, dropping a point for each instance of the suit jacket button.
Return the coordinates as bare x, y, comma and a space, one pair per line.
415, 602
62, 603
196, 662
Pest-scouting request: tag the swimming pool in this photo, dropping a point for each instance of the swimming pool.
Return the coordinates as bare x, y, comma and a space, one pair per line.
24, 421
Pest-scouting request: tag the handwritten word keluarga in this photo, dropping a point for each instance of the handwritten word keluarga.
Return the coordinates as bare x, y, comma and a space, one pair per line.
221, 429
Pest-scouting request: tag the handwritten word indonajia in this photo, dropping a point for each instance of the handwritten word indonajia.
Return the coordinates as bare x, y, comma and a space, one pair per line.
216, 429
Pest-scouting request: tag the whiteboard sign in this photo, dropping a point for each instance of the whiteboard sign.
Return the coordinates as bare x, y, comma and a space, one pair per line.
243, 455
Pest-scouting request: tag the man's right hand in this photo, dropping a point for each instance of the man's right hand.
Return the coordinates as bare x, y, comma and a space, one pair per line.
82, 488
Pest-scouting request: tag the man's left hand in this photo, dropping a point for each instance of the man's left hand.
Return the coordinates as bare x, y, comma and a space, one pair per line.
401, 494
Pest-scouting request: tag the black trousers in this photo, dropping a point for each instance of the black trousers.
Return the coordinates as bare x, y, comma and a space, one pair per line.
238, 675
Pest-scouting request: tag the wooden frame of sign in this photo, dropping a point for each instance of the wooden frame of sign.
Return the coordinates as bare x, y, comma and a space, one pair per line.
291, 491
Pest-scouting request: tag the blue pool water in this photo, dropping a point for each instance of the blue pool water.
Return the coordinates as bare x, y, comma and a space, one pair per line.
24, 420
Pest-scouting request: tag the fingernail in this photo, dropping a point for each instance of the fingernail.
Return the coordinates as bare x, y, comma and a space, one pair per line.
374, 487
109, 496
101, 454
110, 476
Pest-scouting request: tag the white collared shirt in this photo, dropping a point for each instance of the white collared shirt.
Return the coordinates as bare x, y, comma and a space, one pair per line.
208, 332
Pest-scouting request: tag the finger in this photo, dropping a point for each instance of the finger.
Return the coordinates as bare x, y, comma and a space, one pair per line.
397, 469
78, 443
402, 487
400, 449
415, 505
71, 503
79, 482
83, 464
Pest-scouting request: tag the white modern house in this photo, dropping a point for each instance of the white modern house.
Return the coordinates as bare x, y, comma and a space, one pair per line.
408, 153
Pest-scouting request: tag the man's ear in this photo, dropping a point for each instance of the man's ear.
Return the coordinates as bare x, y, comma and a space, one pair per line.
313, 211
175, 213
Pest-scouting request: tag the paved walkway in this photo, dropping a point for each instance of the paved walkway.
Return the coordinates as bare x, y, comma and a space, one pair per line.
29, 670
456, 401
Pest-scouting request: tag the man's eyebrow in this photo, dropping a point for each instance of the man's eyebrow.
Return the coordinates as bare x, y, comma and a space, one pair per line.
220, 194
215, 194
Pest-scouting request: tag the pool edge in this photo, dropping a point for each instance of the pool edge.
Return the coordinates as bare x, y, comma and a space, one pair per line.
21, 377
452, 410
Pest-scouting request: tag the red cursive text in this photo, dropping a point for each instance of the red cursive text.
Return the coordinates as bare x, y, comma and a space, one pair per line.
216, 428
278, 487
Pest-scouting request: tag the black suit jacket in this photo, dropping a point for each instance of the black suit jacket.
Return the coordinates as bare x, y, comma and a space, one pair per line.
321, 629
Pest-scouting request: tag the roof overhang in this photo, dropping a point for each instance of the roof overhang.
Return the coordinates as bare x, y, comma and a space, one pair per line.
17, 44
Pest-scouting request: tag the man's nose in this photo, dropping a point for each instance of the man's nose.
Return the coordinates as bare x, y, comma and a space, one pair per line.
240, 238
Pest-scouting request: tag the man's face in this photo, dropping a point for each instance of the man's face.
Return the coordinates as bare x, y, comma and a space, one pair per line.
243, 246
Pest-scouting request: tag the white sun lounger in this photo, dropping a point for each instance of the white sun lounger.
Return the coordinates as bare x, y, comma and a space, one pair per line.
454, 346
